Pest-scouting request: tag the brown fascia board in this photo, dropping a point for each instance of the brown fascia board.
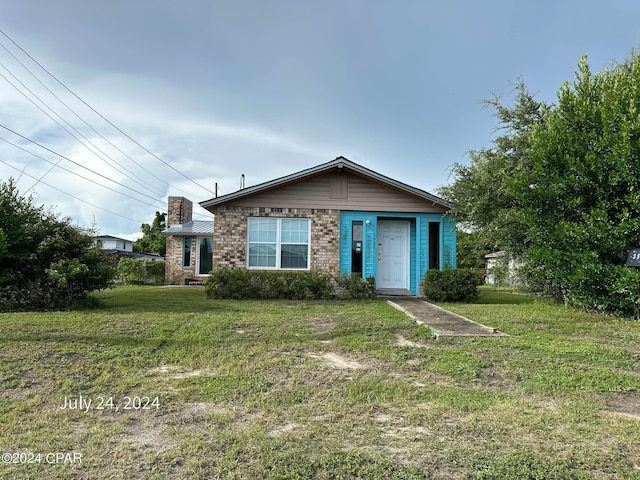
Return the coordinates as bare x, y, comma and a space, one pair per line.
338, 164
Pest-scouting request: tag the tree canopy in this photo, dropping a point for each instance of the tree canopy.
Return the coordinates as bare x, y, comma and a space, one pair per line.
559, 188
471, 250
483, 192
152, 240
582, 202
45, 262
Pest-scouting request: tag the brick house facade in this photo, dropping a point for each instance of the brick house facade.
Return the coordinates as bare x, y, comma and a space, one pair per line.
230, 235
186, 264
335, 217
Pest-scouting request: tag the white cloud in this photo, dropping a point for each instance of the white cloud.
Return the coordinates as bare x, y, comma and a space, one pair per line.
201, 147
225, 88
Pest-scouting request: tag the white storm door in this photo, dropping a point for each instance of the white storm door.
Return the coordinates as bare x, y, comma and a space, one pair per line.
393, 254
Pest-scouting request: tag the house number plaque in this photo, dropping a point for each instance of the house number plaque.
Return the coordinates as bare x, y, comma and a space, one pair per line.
633, 258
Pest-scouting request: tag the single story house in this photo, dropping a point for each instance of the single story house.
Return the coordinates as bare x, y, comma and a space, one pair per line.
336, 217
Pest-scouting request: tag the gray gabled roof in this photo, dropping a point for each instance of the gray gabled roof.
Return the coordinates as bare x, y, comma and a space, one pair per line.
338, 163
197, 227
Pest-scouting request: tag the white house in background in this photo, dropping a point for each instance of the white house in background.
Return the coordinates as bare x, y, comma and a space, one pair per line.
108, 242
124, 248
502, 270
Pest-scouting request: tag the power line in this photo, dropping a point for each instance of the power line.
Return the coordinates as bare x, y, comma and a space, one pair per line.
82, 176
76, 114
135, 180
77, 174
54, 165
75, 163
72, 196
102, 116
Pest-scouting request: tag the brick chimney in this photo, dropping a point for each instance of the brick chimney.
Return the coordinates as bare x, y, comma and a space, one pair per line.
179, 212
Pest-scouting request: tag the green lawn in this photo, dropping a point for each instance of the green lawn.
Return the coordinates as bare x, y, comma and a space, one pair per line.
323, 390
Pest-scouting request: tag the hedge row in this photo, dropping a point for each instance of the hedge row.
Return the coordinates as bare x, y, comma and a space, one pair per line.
263, 285
439, 285
592, 286
133, 271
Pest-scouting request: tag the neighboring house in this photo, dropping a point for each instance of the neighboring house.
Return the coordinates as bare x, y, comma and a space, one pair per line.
189, 243
124, 248
108, 242
149, 257
502, 270
335, 217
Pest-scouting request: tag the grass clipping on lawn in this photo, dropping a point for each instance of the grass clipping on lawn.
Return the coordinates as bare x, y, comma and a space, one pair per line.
332, 389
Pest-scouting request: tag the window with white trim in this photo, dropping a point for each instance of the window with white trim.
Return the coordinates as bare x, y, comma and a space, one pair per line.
278, 243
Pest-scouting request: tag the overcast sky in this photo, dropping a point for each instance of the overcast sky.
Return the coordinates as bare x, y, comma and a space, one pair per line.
216, 89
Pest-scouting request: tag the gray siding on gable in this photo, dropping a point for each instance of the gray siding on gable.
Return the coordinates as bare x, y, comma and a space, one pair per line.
327, 193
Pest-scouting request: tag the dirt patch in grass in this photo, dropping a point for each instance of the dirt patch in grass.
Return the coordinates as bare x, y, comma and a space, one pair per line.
170, 372
198, 411
627, 405
322, 327
401, 341
281, 430
337, 361
153, 432
18, 394
153, 436
492, 378
193, 417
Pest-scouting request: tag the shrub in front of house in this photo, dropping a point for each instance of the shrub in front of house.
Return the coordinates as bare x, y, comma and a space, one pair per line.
129, 271
268, 285
452, 285
133, 271
263, 285
155, 272
352, 286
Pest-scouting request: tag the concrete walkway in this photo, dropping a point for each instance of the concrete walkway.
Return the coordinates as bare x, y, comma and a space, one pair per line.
442, 323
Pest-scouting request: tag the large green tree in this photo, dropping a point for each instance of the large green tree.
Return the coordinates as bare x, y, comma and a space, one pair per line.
45, 262
559, 187
581, 200
471, 250
483, 190
152, 240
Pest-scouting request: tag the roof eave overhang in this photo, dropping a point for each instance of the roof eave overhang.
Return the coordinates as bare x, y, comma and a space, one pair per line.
339, 164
